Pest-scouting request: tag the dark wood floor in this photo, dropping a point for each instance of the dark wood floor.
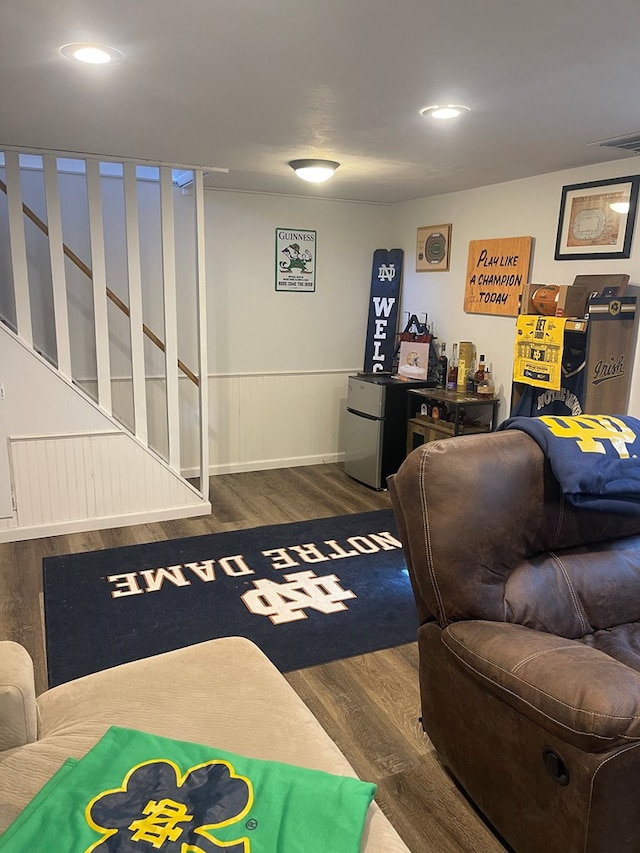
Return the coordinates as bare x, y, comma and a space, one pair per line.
368, 704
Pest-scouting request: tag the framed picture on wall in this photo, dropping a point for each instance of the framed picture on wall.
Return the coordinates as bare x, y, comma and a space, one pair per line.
597, 219
432, 251
296, 260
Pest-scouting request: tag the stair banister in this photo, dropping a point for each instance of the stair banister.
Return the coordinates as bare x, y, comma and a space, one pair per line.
110, 294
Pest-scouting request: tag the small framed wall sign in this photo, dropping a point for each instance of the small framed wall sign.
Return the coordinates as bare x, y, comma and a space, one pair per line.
597, 219
432, 252
296, 260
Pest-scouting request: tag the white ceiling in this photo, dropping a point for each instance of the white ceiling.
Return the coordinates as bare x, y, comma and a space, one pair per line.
251, 84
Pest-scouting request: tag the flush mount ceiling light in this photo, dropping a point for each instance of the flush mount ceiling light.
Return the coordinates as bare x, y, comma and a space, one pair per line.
315, 171
95, 54
444, 111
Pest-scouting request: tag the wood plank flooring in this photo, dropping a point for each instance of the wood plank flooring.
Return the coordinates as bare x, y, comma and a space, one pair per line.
368, 704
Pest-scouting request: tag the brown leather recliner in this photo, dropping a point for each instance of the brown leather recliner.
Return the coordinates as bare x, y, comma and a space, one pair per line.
529, 642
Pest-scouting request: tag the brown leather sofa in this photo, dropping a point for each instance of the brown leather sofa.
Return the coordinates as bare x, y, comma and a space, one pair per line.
529, 642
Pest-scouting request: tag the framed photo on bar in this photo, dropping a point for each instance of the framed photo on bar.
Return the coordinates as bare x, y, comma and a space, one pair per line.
597, 219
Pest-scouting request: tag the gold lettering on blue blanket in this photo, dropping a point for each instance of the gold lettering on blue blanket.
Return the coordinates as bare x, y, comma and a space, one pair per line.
160, 822
590, 431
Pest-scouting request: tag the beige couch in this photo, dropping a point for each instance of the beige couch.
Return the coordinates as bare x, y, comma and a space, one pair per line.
223, 692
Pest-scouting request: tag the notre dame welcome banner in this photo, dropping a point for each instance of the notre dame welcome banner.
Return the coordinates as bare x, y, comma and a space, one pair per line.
138, 793
305, 593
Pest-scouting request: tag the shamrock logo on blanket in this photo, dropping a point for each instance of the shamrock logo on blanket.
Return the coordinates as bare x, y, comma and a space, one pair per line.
158, 809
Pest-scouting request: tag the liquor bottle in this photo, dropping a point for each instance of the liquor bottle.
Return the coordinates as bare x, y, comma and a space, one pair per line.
443, 367
471, 387
487, 386
463, 369
478, 376
465, 361
452, 375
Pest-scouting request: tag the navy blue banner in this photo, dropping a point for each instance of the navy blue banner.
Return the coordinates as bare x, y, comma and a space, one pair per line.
386, 276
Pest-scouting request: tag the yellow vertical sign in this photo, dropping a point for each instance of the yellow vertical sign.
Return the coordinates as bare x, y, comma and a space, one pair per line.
538, 350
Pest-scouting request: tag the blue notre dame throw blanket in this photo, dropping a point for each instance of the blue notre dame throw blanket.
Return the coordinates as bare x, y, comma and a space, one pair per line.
595, 458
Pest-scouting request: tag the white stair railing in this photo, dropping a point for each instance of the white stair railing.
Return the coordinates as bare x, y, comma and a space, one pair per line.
123, 217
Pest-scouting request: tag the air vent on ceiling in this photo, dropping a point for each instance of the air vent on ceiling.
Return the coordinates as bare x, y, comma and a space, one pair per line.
630, 142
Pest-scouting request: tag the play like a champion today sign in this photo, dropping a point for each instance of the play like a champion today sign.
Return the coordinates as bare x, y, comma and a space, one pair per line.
296, 260
497, 270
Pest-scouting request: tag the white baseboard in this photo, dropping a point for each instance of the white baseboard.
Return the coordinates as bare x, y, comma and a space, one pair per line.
18, 534
266, 464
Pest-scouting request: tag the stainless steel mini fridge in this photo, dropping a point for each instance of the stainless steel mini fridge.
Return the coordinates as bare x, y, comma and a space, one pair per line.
376, 426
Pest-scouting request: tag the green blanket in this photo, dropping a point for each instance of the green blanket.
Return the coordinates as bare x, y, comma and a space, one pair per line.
138, 793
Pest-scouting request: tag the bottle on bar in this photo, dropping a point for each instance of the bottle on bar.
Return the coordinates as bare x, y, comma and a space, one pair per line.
486, 386
478, 376
461, 382
452, 375
471, 388
443, 367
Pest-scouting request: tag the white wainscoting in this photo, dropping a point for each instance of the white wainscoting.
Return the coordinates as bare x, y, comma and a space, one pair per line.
6, 507
259, 421
88, 481
278, 420
256, 421
92, 480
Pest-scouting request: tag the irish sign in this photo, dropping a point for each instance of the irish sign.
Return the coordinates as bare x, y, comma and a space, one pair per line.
295, 260
497, 270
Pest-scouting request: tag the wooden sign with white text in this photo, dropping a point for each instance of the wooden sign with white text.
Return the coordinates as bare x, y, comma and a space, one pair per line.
497, 270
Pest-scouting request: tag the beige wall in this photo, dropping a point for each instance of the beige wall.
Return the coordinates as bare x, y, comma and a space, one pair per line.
514, 209
278, 362
253, 328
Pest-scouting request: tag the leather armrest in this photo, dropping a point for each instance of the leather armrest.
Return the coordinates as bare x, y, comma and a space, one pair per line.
18, 709
575, 692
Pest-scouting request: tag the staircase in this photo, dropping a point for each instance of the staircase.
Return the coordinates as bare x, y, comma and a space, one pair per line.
100, 415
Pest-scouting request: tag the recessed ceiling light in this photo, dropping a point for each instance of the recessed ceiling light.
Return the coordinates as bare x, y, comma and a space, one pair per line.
444, 111
95, 54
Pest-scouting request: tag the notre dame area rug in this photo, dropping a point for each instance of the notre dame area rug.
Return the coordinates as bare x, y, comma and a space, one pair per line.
305, 593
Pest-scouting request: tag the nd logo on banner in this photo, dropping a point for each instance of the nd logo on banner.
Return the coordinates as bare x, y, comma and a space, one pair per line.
386, 276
